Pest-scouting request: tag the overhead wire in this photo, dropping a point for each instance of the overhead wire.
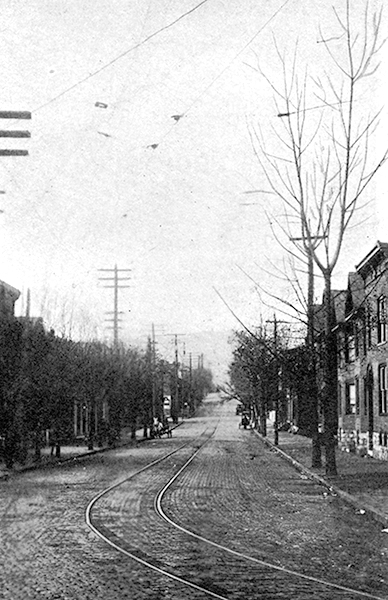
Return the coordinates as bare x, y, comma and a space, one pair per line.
138, 45
221, 73
155, 145
117, 58
32, 204
111, 62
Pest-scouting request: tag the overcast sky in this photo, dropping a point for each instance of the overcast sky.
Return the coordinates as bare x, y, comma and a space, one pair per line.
113, 178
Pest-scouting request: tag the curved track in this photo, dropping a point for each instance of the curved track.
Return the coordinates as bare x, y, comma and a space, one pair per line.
314, 580
263, 569
132, 555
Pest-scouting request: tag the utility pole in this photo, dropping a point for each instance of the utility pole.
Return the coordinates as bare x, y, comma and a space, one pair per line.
176, 369
156, 384
184, 390
116, 279
175, 404
153, 365
191, 407
278, 370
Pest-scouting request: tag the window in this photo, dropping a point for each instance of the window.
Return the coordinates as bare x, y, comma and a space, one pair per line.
383, 438
383, 406
368, 329
351, 348
365, 396
381, 319
350, 398
356, 331
357, 396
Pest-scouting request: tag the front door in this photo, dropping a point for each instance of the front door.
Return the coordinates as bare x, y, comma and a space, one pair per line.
369, 399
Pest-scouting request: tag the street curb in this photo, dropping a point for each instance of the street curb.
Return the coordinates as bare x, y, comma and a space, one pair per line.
369, 510
6, 474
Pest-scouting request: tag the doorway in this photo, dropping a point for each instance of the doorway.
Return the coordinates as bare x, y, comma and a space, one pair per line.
369, 401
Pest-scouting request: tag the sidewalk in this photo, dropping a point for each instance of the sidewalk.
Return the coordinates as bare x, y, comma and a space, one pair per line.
362, 481
71, 452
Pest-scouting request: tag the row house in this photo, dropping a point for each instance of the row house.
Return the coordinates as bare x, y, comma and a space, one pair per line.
362, 349
304, 380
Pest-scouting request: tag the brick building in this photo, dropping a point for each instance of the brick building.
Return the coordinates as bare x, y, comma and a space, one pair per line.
362, 341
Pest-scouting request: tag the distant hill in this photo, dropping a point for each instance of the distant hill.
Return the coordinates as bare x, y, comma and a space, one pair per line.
216, 347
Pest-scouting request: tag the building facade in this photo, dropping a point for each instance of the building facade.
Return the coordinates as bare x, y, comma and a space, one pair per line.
362, 340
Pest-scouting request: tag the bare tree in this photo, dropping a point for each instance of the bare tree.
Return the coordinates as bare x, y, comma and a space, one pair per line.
324, 163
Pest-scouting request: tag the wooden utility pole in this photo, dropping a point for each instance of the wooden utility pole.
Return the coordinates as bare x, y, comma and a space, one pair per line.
175, 399
176, 370
116, 279
278, 371
191, 407
153, 374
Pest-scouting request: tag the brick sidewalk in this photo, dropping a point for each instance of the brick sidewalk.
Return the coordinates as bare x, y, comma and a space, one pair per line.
360, 480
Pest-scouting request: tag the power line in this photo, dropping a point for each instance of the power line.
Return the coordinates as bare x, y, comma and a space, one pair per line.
177, 118
117, 58
252, 39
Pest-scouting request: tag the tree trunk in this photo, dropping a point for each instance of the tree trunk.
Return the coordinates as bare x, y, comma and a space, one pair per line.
316, 454
263, 419
262, 410
330, 408
38, 444
58, 450
276, 423
91, 410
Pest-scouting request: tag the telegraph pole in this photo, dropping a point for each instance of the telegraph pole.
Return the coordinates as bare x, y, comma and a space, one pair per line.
176, 411
175, 404
153, 365
115, 279
191, 407
184, 392
278, 368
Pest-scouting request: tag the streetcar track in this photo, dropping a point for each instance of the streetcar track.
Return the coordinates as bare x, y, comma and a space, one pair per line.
131, 555
159, 510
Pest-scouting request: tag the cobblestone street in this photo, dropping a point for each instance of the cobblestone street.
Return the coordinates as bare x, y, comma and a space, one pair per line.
235, 492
